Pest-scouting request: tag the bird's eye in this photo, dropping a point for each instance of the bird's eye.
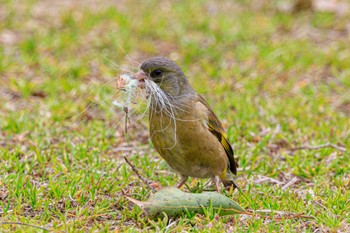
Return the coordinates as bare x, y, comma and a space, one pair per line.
156, 73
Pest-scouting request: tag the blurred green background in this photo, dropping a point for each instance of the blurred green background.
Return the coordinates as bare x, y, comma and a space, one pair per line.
277, 74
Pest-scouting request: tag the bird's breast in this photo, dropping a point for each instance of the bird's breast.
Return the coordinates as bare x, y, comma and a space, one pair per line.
187, 145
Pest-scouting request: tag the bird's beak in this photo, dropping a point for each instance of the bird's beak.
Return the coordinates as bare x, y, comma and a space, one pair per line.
141, 76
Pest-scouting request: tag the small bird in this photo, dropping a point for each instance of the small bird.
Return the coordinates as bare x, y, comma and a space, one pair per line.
183, 127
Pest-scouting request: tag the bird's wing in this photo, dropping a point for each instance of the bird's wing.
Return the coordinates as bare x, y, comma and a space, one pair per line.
215, 127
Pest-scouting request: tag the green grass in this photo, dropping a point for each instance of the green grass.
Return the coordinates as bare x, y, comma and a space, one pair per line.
276, 80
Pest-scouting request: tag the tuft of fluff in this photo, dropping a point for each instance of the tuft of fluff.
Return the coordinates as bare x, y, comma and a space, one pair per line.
158, 101
128, 84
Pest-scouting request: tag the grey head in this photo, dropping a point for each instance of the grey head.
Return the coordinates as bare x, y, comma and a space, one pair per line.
167, 75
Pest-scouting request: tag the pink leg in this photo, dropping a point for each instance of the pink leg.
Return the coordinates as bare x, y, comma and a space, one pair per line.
215, 180
182, 181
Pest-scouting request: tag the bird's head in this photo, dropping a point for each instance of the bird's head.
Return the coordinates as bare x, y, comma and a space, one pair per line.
166, 74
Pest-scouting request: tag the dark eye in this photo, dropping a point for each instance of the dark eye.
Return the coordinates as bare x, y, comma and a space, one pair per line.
156, 73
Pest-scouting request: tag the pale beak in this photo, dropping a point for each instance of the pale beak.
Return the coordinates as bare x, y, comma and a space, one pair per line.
141, 77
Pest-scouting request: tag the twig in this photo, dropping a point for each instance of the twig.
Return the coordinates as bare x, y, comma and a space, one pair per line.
170, 224
291, 182
143, 179
24, 224
320, 205
289, 215
126, 110
240, 169
308, 147
262, 179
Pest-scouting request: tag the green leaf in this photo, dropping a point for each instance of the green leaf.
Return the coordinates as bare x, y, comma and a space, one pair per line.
173, 202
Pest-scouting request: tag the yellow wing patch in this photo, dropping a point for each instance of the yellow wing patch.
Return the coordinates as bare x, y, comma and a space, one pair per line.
215, 127
228, 149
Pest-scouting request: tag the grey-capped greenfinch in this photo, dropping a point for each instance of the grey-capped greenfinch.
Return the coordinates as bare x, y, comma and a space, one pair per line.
183, 127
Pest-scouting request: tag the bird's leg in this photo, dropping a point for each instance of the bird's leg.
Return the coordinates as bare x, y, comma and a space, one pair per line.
215, 180
182, 181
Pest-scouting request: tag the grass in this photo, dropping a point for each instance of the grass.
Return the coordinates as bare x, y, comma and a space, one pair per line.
276, 80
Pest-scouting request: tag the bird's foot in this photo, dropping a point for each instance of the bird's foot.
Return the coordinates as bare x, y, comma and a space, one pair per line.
182, 181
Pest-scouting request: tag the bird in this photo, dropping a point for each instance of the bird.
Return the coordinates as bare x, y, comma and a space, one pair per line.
183, 127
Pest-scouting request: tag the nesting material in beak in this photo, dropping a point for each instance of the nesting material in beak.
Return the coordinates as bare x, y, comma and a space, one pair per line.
128, 84
141, 76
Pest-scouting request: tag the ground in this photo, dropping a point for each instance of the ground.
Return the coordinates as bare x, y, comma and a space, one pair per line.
278, 78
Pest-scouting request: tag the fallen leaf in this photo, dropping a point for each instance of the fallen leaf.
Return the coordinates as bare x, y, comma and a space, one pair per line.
173, 202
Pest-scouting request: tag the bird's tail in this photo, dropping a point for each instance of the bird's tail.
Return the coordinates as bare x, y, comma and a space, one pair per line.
228, 183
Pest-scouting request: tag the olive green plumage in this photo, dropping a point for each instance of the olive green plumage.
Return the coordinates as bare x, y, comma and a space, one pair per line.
183, 127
